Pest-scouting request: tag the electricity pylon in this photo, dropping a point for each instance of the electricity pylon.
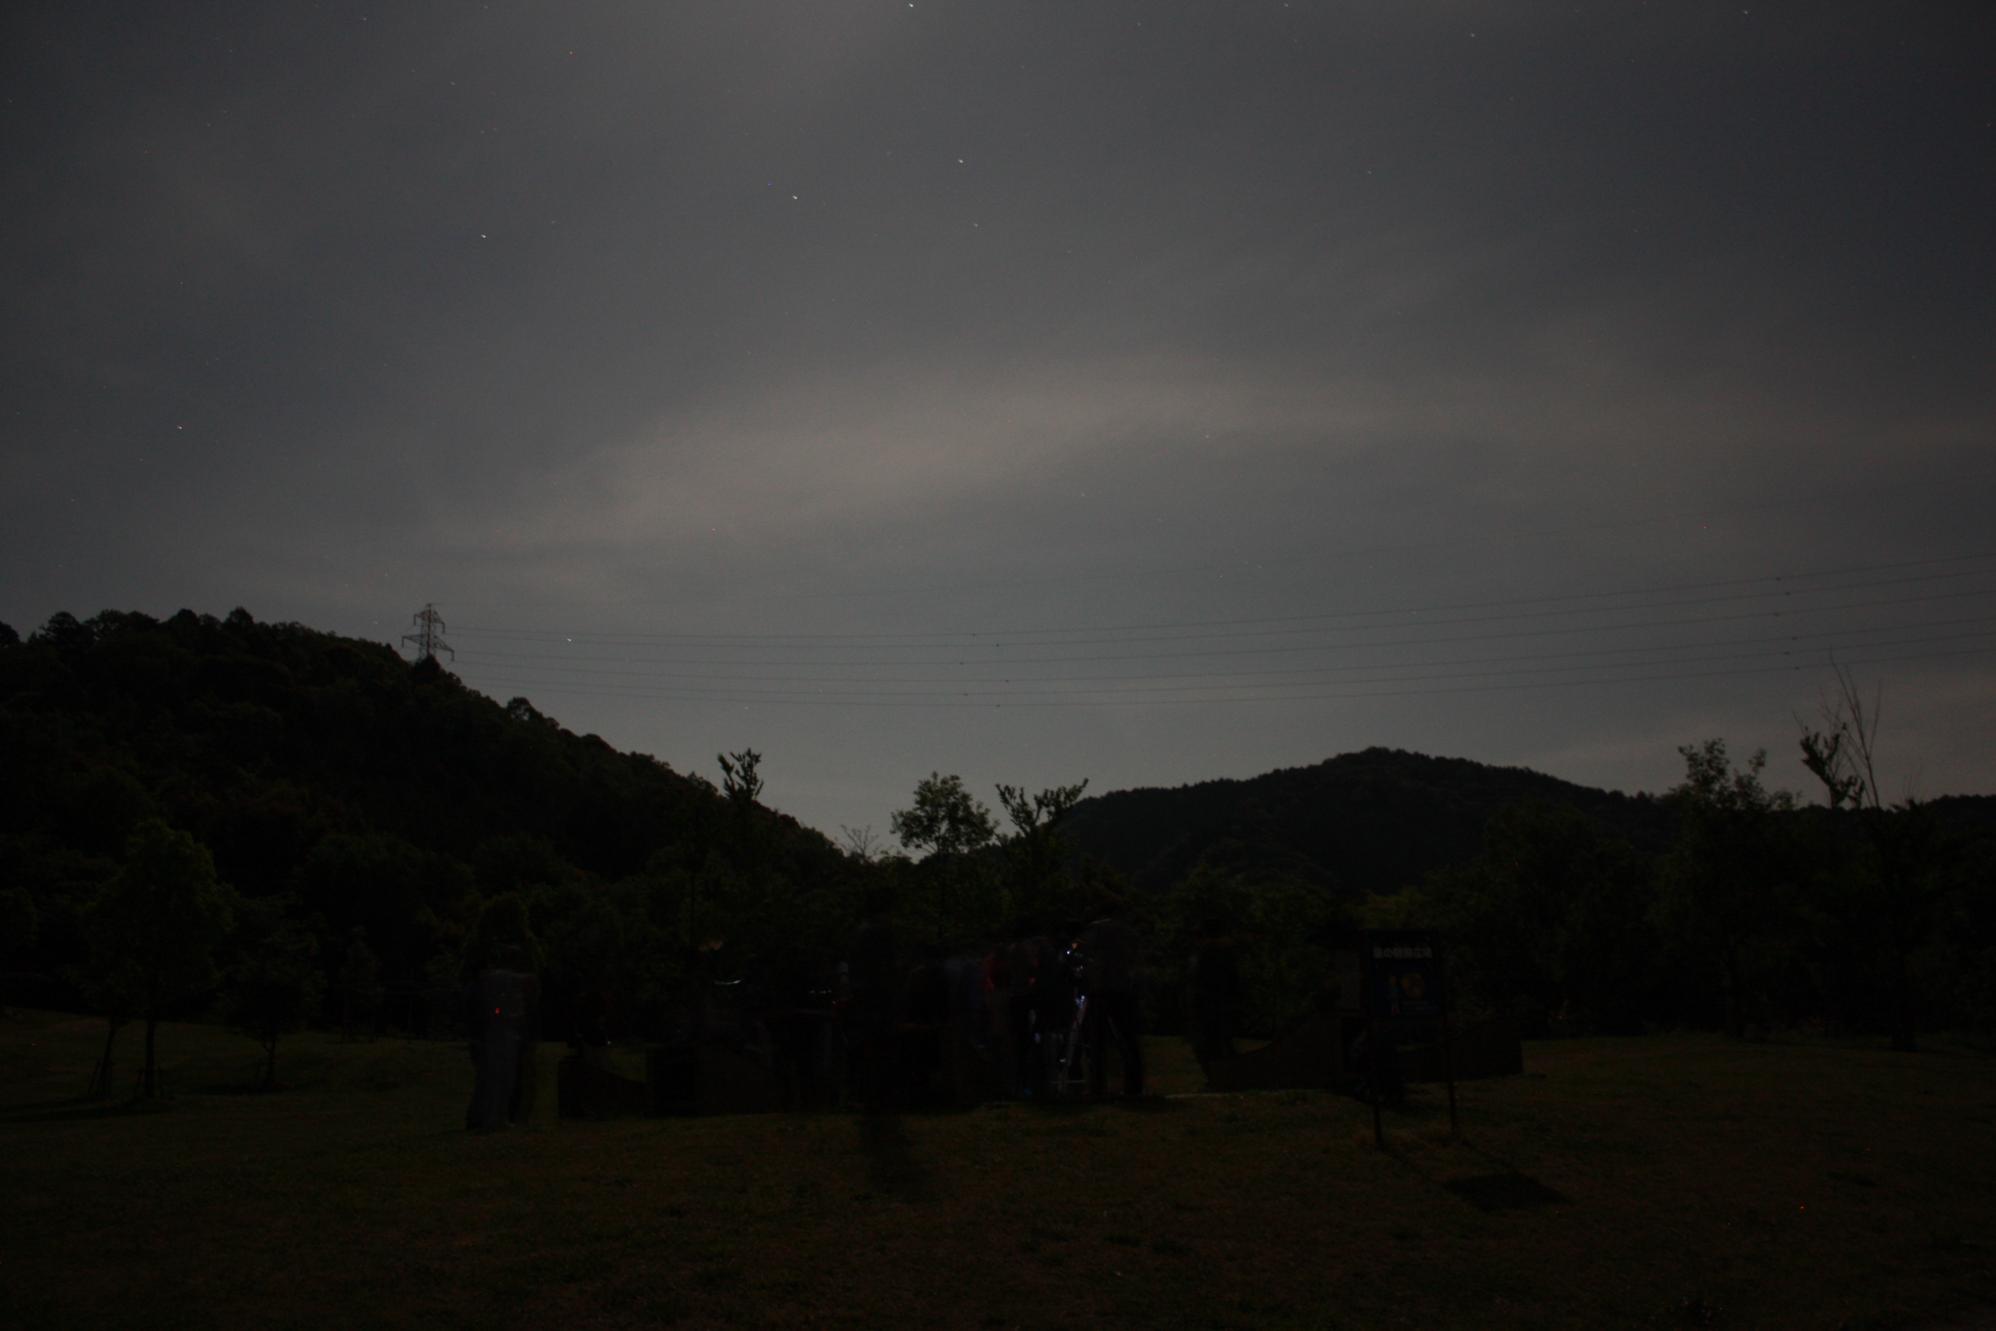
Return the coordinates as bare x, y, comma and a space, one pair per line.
428, 639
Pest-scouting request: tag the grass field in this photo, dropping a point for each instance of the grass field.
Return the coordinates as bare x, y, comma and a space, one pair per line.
1654, 1182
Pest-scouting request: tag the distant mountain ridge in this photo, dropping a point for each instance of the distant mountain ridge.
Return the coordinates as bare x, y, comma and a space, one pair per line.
1376, 821
1372, 821
379, 795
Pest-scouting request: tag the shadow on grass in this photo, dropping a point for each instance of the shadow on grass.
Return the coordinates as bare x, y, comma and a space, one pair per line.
1505, 1192
891, 1167
243, 1088
77, 1108
1060, 1106
1144, 1104
1502, 1187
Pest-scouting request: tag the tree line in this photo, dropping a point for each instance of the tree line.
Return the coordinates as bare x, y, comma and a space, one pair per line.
273, 826
278, 826
1859, 916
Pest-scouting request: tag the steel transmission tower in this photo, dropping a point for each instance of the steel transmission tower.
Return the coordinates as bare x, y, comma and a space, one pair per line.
428, 639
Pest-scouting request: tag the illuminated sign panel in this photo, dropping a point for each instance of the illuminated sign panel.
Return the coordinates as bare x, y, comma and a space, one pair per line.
1406, 982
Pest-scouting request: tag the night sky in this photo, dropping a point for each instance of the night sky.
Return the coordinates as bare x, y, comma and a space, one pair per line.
1034, 390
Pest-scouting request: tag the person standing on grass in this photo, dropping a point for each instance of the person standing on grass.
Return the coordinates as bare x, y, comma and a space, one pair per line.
874, 973
501, 1006
1018, 975
526, 1057
1215, 991
1112, 952
1054, 996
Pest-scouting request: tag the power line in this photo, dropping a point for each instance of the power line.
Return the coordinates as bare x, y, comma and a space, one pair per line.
633, 691
1624, 525
1289, 648
1391, 675
1784, 642
816, 669
614, 638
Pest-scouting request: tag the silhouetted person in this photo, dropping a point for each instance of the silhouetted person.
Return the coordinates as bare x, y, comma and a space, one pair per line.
501, 1007
1016, 978
796, 1034
1215, 992
925, 1023
967, 1035
1112, 952
1054, 994
874, 1011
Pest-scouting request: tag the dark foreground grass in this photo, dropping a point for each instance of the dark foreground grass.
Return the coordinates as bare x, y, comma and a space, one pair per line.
1658, 1182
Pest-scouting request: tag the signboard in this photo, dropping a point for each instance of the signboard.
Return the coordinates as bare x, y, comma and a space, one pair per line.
1403, 987
1405, 982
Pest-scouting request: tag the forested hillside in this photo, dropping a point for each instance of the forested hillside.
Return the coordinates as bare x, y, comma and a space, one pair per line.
1358, 824
278, 825
379, 807
1722, 903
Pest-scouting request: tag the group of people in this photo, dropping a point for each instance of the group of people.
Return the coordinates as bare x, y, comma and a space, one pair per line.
1039, 1017
1034, 1017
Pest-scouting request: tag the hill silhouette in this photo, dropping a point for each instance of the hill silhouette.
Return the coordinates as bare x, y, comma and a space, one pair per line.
368, 793
1363, 823
403, 819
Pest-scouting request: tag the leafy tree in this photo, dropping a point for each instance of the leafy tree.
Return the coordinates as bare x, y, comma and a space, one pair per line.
63, 632
154, 930
518, 863
603, 944
733, 894
1035, 847
1284, 927
1547, 924
411, 902
523, 712
739, 778
360, 989
1964, 948
503, 922
321, 766
945, 819
276, 984
1727, 885
950, 824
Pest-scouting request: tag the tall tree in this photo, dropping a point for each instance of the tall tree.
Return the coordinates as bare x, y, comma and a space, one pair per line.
1034, 846
1724, 884
1898, 864
360, 988
945, 819
1548, 923
275, 985
154, 930
950, 824
740, 780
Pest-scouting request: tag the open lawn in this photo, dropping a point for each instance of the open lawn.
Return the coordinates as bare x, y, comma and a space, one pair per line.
1662, 1181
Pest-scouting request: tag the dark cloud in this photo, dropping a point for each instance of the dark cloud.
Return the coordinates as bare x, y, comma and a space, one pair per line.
879, 319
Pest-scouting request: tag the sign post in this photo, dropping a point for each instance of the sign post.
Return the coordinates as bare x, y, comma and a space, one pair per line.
1405, 986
